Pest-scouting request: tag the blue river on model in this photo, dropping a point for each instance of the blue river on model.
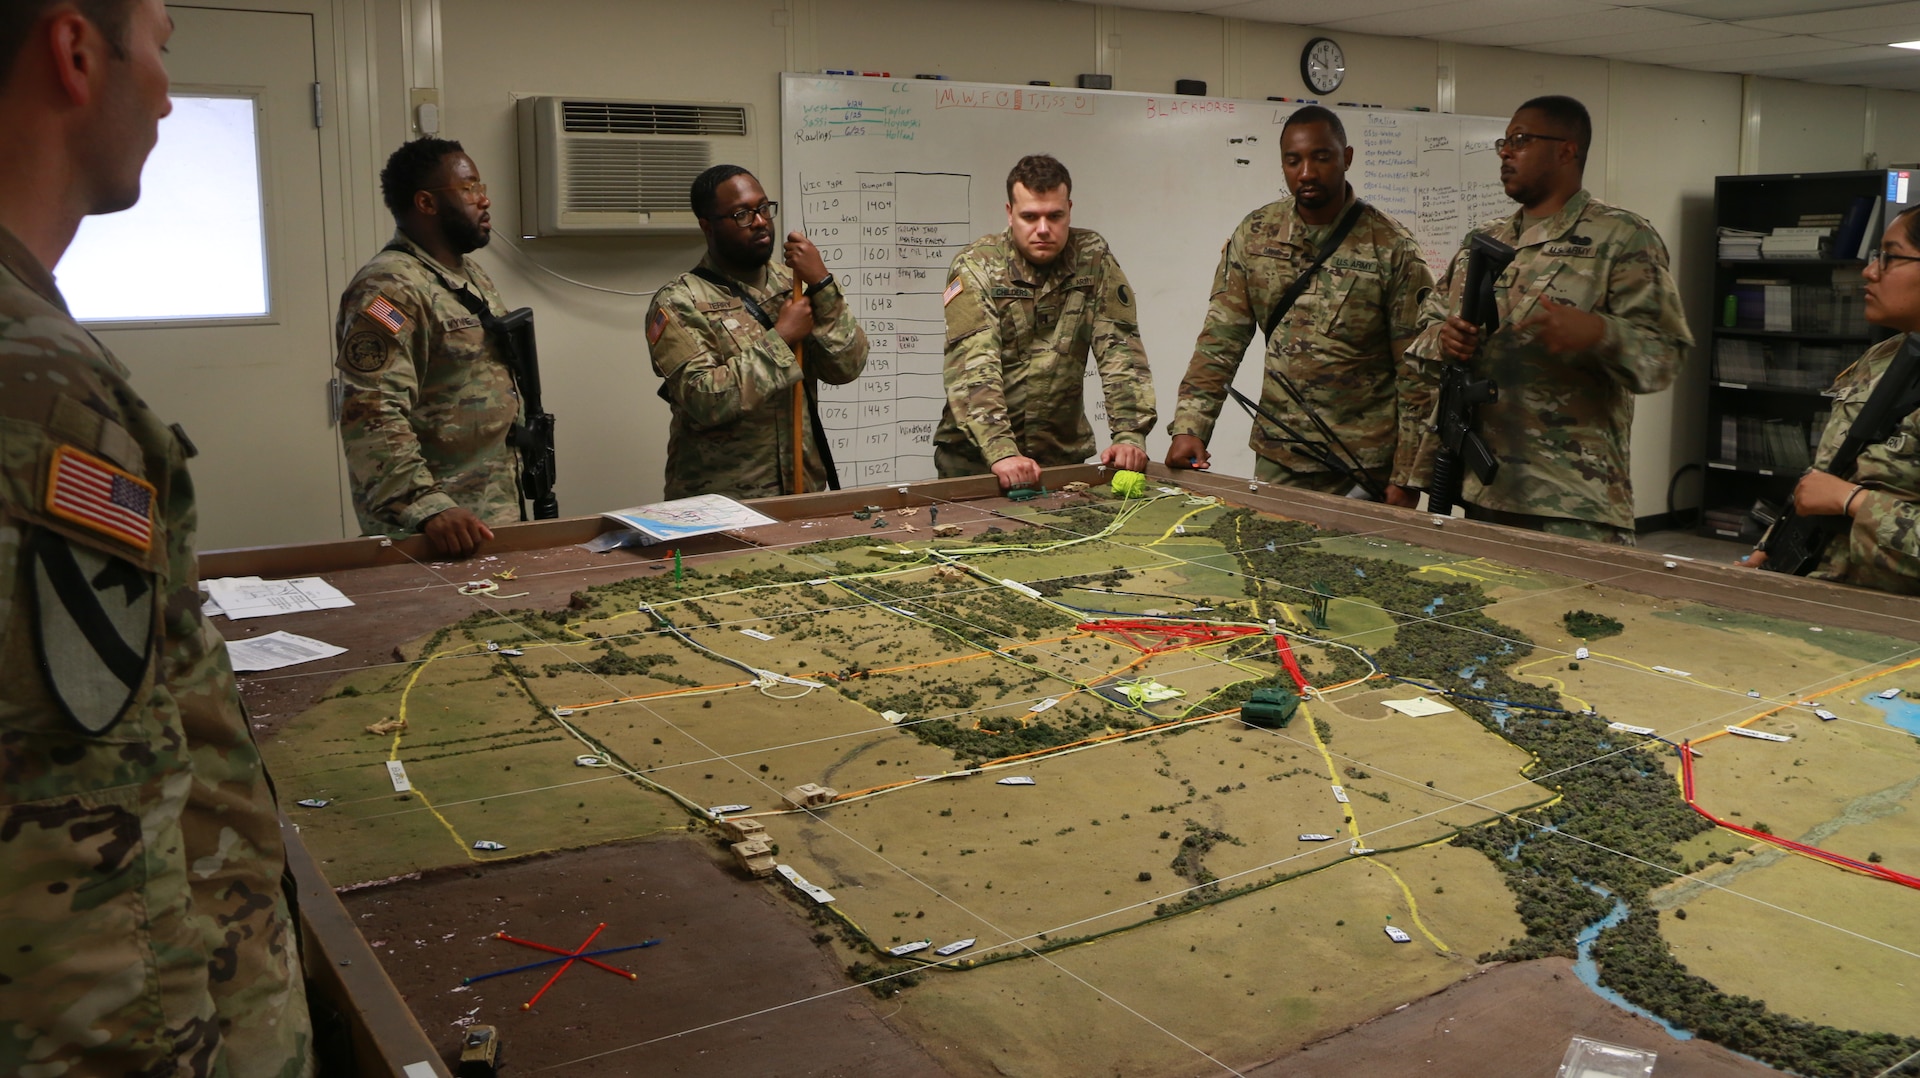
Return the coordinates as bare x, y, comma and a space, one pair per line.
1588, 970
1901, 713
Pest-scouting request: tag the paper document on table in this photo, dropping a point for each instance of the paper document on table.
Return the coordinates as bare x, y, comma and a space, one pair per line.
275, 650
1418, 707
687, 517
251, 597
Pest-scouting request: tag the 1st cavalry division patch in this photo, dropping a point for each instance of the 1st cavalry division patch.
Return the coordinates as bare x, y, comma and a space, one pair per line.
94, 615
88, 491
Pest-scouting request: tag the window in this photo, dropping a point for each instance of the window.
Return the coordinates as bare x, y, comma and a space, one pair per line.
195, 245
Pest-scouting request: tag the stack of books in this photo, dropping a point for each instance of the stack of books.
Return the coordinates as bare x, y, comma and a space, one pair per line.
1740, 245
1797, 242
1779, 364
1731, 523
1782, 445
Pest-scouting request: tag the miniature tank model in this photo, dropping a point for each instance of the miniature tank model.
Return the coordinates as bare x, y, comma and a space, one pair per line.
1269, 709
479, 1053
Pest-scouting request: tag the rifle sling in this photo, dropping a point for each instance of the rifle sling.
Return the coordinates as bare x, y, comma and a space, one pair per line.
766, 321
1299, 286
519, 436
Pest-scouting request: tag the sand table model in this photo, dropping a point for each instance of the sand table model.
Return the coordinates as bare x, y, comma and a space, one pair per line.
1005, 774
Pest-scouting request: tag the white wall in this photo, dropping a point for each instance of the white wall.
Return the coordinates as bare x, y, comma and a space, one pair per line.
1661, 136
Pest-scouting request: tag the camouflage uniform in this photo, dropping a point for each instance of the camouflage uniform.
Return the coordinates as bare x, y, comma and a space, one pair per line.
1017, 343
428, 396
730, 381
1341, 343
1561, 426
1882, 548
143, 928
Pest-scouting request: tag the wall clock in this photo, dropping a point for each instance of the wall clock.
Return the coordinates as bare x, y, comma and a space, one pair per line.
1322, 65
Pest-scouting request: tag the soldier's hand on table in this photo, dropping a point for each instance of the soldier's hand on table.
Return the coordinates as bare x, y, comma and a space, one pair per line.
1188, 451
1127, 458
1402, 497
1754, 560
1459, 338
804, 259
1562, 327
1016, 472
455, 533
795, 323
1820, 494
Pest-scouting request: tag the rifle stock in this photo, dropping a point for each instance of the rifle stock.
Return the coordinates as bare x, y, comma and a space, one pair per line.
1461, 446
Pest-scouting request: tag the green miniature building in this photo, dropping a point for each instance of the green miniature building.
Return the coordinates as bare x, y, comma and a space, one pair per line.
1269, 709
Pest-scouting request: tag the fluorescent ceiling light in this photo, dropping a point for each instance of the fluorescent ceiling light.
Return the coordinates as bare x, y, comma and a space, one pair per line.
1906, 45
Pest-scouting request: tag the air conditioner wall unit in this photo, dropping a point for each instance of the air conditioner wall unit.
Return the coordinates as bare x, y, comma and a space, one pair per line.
622, 168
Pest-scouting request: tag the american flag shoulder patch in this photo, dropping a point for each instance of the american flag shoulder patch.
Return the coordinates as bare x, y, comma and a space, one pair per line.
96, 495
385, 313
952, 291
656, 325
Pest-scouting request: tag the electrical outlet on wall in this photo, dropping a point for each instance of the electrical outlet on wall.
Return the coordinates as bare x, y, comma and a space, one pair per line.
423, 107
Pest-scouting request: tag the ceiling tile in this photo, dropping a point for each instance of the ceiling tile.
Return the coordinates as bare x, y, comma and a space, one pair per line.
1756, 9
1619, 20
1879, 35
1759, 47
1705, 33
1465, 15
1309, 12
1787, 61
1859, 18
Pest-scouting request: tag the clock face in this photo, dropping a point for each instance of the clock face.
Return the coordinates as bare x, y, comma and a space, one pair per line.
1323, 66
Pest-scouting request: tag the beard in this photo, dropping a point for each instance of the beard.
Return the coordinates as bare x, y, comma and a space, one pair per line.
748, 253
464, 234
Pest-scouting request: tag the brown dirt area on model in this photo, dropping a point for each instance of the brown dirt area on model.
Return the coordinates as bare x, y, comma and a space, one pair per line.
732, 948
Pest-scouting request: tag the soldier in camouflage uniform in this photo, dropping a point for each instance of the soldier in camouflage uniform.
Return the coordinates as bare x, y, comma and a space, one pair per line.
728, 376
1881, 546
143, 925
428, 397
1589, 316
1024, 308
1343, 341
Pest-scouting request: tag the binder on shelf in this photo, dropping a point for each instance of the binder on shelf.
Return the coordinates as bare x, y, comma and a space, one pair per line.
1853, 225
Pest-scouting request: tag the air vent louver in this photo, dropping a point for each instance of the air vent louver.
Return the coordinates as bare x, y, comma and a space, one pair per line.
640, 118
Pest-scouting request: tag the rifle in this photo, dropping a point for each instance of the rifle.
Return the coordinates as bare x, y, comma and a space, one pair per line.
534, 438
1794, 543
1460, 394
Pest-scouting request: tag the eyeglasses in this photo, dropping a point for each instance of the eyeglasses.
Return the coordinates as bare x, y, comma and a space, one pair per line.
1884, 260
744, 217
1516, 143
472, 192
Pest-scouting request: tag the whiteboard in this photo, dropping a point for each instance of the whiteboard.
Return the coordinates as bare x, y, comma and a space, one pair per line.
892, 177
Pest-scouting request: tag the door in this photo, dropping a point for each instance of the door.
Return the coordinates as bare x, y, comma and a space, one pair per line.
224, 317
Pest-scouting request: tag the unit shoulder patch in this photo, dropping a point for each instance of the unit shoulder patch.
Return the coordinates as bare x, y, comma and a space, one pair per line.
95, 628
366, 352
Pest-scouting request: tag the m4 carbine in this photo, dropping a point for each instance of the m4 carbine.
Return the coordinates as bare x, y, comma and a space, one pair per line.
1460, 394
1794, 543
534, 438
